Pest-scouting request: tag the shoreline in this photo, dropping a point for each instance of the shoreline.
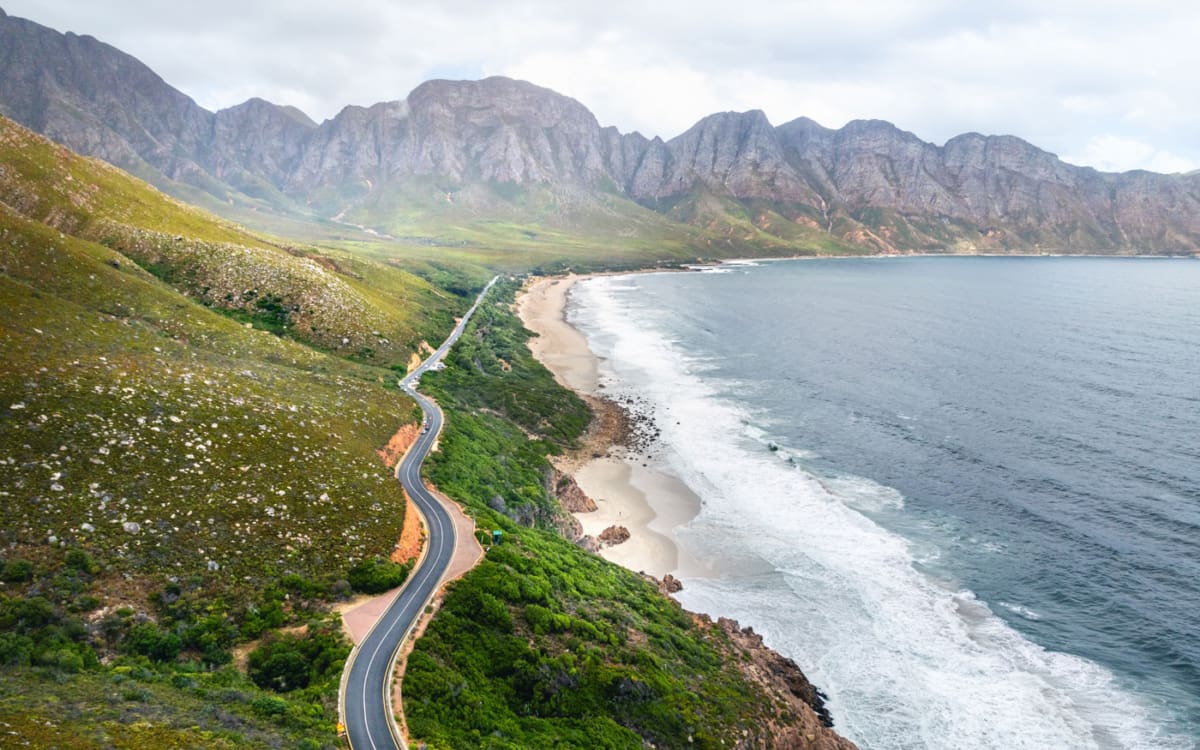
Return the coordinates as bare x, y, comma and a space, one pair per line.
628, 489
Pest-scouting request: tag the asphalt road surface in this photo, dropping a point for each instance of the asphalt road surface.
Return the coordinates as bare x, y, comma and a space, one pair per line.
366, 703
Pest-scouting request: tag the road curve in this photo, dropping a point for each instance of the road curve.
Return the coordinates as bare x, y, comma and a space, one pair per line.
366, 705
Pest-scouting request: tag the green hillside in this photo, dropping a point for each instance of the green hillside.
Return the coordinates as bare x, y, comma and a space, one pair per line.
179, 476
376, 312
520, 227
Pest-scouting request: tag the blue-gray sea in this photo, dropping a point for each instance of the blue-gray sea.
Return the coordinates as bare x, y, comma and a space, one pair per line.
962, 493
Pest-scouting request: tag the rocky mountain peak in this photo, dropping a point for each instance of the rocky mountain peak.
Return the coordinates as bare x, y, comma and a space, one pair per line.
868, 183
876, 135
804, 129
504, 130
97, 100
256, 106
256, 140
501, 96
733, 153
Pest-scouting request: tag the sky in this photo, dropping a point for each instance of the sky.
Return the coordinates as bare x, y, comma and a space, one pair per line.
1103, 84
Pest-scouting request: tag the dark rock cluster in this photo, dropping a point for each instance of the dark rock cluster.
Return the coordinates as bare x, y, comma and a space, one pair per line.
642, 430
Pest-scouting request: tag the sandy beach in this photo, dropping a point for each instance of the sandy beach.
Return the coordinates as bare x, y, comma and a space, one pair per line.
558, 346
628, 489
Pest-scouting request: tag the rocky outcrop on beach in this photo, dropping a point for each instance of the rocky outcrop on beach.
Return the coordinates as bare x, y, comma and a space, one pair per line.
466, 145
570, 495
805, 722
670, 584
614, 535
569, 527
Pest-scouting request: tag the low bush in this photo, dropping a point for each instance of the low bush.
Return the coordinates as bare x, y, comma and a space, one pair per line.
17, 571
292, 662
376, 575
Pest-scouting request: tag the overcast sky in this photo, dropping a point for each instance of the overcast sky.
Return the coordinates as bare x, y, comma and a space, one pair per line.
1106, 84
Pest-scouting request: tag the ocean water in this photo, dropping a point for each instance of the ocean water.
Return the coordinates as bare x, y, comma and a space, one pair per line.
963, 493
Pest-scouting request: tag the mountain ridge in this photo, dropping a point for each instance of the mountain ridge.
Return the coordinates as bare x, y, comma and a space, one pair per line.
498, 147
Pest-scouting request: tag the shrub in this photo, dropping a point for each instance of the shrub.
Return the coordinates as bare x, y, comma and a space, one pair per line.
17, 571
148, 639
26, 615
289, 662
65, 659
376, 575
269, 705
79, 560
279, 666
15, 650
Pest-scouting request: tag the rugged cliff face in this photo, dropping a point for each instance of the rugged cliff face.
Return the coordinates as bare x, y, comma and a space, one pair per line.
480, 145
97, 100
808, 722
496, 130
256, 142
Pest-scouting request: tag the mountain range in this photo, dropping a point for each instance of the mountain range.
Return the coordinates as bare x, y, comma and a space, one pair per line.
500, 152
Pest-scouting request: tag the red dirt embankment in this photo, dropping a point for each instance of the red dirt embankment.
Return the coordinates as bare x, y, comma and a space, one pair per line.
397, 444
412, 537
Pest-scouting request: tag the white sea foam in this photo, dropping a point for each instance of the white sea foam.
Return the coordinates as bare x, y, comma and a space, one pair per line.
863, 494
907, 661
1021, 611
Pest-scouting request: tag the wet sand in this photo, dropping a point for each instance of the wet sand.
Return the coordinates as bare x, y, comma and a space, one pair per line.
628, 489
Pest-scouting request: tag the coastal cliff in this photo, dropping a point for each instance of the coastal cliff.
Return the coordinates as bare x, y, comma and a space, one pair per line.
806, 721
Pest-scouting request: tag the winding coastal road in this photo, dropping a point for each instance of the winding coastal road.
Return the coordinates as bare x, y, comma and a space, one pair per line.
366, 705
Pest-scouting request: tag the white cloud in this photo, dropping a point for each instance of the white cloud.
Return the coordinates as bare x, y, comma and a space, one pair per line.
1066, 76
1112, 153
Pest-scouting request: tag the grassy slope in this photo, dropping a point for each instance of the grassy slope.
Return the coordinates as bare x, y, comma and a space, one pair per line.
217, 481
123, 389
543, 644
374, 311
509, 227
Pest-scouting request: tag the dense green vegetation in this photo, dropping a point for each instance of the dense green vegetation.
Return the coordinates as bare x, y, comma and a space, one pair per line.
169, 676
543, 644
508, 415
376, 575
491, 368
288, 662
